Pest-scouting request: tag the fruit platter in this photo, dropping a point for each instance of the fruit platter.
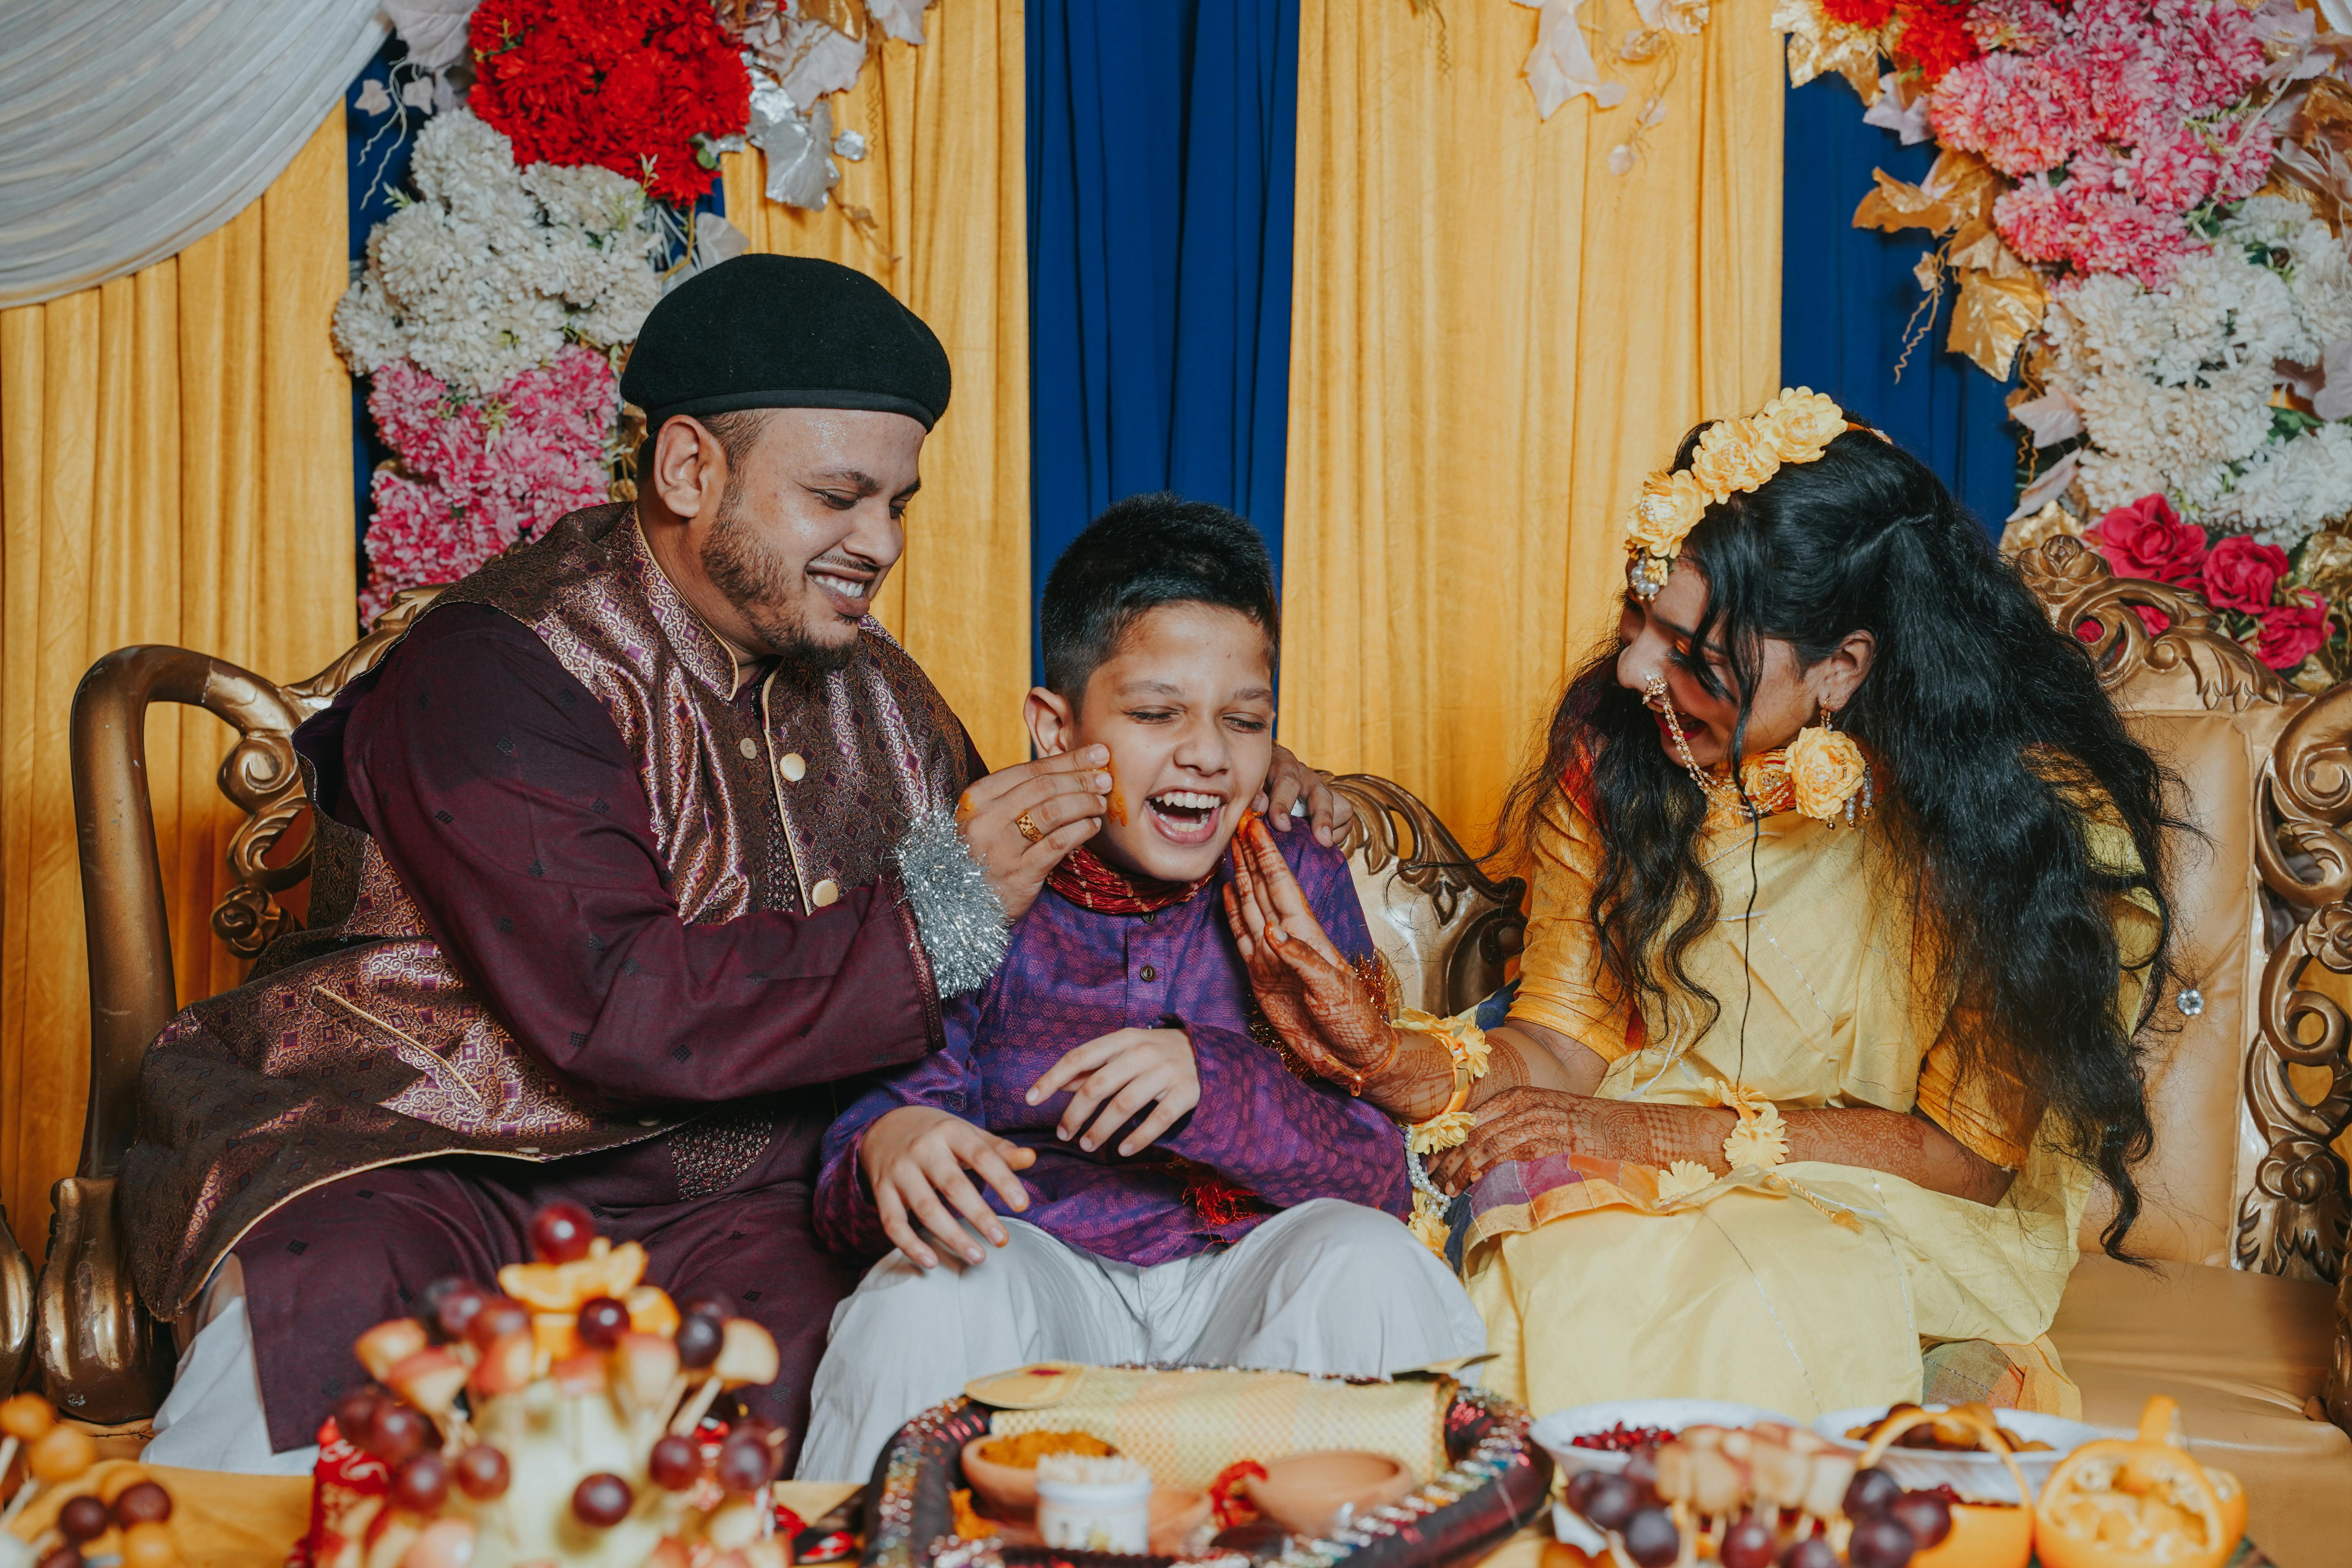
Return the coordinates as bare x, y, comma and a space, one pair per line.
953, 1491
1674, 1484
569, 1412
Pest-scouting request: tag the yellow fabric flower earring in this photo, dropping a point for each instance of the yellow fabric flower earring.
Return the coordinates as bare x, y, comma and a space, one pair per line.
1829, 775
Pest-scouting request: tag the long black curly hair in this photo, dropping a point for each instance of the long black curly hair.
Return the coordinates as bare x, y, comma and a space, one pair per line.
1988, 738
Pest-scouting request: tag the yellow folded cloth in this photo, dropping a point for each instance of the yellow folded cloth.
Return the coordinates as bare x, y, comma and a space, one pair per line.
1186, 1426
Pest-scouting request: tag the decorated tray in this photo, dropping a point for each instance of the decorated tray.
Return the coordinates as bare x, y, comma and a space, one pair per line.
1495, 1481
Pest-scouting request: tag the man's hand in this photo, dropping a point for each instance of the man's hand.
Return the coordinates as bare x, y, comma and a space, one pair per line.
1121, 1073
1063, 798
916, 1155
1289, 782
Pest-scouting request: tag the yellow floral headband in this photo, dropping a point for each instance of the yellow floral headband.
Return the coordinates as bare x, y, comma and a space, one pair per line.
1735, 455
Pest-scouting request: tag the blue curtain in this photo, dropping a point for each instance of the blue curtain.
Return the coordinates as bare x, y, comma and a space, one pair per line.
1845, 294
1162, 141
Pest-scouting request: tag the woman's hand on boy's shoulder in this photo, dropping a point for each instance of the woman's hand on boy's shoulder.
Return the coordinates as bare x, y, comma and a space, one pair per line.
1288, 783
916, 1156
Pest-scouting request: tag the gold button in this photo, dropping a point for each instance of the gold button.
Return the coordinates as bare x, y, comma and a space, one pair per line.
825, 892
792, 767
750, 747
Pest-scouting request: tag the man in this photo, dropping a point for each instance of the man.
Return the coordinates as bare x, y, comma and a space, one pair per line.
644, 837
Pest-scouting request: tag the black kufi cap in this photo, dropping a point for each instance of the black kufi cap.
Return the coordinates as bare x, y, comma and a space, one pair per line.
784, 331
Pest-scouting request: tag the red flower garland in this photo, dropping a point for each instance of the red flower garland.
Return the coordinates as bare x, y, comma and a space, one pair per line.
626, 87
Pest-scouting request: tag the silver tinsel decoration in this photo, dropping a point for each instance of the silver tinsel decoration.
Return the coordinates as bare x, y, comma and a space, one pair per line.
957, 913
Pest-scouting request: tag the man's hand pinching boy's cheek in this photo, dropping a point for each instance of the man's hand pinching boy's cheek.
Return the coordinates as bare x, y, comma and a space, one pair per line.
1113, 1079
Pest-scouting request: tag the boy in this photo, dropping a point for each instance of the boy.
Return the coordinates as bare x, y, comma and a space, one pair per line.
1187, 1198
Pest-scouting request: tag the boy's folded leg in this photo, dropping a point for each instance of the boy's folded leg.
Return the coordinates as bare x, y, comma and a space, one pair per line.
1332, 1287
908, 1338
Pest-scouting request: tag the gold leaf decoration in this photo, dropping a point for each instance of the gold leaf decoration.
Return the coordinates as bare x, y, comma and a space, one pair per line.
1897, 204
1993, 315
2030, 533
1818, 46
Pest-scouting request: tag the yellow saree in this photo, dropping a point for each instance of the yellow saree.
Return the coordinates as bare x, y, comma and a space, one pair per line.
1594, 1288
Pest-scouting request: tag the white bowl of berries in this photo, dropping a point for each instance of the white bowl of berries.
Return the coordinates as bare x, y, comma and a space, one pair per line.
1603, 1437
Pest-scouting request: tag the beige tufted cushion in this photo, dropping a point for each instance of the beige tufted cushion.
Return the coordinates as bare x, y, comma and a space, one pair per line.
2204, 1143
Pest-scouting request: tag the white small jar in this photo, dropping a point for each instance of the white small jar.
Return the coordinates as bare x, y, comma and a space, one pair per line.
1090, 1503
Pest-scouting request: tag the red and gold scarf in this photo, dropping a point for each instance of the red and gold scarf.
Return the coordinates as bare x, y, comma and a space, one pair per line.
1093, 883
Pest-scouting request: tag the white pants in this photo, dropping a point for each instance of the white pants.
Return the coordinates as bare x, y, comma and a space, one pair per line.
213, 1419
1328, 1286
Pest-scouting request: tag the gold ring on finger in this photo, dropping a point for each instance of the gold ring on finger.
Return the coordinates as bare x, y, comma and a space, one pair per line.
1028, 827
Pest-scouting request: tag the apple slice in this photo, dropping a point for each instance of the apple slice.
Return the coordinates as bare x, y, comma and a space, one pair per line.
389, 1343
506, 1365
747, 1355
644, 1367
429, 1380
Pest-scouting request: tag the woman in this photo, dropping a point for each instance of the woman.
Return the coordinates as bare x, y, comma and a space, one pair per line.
1813, 1062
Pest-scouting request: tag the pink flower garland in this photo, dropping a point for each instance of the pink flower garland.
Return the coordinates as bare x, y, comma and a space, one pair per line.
2116, 118
475, 475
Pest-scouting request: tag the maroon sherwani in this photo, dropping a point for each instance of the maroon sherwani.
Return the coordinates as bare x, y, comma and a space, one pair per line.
625, 914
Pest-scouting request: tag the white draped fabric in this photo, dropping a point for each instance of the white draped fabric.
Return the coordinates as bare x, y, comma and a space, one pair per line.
128, 132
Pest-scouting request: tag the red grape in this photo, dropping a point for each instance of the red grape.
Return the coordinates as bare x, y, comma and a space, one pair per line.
1650, 1538
560, 1233
144, 1503
1642, 1469
451, 1305
1751, 1543
1869, 1493
1612, 1503
699, 1340
1581, 1488
83, 1519
495, 1319
746, 1463
709, 1307
399, 1432
676, 1463
603, 1500
421, 1485
67, 1556
1880, 1543
482, 1473
1812, 1551
602, 1322
1927, 1516
356, 1414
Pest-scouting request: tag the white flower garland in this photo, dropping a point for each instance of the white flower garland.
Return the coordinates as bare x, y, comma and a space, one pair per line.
2172, 386
493, 268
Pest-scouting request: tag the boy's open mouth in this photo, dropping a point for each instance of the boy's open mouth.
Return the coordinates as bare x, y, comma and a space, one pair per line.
1185, 815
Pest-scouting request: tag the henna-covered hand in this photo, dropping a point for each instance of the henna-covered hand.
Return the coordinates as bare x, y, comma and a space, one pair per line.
1530, 1123
1307, 990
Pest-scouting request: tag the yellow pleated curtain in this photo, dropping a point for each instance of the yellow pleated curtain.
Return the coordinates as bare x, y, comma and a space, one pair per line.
1493, 338
943, 188
175, 467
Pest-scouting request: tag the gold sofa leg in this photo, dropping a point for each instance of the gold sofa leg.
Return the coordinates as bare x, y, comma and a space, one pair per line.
97, 1343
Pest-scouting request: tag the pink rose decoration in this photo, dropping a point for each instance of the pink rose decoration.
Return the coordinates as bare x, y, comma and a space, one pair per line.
2242, 574
2147, 539
2292, 633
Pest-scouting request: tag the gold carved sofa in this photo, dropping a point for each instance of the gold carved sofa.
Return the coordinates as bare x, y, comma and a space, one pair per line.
2240, 1316
1447, 928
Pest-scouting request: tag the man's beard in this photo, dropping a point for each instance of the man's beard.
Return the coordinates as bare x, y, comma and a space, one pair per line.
756, 582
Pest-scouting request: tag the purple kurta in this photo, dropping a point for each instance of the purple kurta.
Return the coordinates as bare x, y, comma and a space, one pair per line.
1073, 975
